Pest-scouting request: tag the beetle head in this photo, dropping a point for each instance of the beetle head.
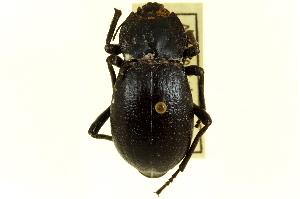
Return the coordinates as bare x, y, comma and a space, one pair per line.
152, 11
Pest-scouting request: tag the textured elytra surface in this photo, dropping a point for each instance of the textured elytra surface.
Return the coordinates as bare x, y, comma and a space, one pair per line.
152, 142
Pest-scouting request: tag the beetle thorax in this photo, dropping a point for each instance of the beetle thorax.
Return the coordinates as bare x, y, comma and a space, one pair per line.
152, 33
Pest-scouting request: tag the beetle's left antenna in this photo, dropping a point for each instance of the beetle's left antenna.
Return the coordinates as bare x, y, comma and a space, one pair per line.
113, 25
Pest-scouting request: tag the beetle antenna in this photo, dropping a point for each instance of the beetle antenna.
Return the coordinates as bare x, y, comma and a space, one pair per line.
113, 25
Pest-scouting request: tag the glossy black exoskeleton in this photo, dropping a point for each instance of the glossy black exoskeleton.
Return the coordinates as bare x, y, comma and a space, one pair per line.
152, 112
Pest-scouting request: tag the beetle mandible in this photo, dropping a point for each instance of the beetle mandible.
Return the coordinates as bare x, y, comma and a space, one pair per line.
152, 112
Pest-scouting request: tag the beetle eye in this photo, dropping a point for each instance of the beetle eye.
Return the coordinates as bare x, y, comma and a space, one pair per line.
160, 107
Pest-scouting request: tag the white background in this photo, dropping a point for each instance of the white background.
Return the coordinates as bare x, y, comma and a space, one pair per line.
54, 82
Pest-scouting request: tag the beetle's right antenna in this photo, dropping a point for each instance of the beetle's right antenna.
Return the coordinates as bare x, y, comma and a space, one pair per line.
113, 25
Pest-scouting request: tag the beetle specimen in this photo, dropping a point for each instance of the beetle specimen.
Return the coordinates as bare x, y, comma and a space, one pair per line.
152, 112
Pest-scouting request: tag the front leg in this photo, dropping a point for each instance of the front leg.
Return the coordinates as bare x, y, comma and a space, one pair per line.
116, 61
113, 49
192, 50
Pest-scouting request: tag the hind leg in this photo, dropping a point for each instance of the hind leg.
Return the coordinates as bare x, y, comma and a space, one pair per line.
206, 120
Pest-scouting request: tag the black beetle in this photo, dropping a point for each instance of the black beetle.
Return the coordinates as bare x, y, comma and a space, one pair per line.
152, 112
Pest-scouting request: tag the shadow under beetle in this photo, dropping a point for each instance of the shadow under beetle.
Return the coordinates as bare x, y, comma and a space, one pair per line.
152, 112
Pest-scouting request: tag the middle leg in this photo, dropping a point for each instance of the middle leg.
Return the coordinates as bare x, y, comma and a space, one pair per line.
98, 123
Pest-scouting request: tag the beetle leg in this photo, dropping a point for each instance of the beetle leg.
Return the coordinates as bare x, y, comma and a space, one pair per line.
113, 60
122, 71
191, 37
193, 50
113, 25
201, 89
206, 120
98, 123
198, 71
116, 61
193, 70
113, 49
112, 74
